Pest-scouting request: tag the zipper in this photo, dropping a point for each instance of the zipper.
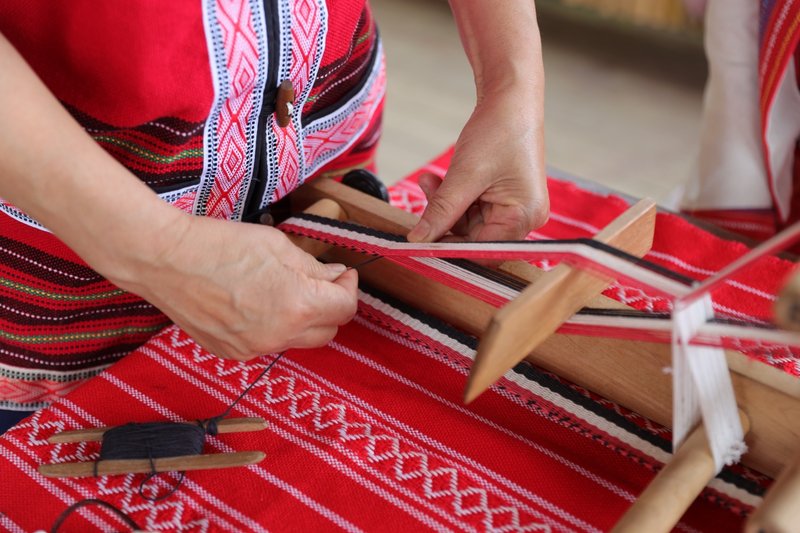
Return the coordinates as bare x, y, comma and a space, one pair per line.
258, 184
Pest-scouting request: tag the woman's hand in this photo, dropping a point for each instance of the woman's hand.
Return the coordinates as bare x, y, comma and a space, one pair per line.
495, 188
242, 290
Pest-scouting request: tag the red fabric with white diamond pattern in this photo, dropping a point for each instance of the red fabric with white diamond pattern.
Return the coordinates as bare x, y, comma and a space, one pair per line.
367, 433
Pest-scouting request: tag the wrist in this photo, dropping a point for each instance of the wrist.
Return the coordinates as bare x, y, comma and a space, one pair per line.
139, 250
511, 80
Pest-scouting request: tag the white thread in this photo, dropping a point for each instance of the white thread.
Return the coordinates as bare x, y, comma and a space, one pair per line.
701, 387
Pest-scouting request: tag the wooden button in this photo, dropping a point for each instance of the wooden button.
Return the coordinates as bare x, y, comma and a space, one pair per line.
284, 104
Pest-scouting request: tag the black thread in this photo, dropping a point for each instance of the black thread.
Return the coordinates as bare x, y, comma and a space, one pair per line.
130, 522
154, 440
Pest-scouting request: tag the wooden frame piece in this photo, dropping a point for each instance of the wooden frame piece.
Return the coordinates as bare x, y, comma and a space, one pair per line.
228, 425
770, 397
521, 325
144, 466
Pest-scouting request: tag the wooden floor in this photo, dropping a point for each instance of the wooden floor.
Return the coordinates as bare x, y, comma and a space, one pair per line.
622, 108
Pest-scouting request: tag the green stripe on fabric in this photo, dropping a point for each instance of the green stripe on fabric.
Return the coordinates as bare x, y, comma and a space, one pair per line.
109, 333
56, 296
150, 155
364, 37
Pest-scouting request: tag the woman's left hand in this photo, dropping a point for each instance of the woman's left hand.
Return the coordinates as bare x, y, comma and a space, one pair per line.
496, 187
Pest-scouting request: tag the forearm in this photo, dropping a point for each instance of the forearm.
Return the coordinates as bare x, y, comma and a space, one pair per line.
501, 40
495, 188
53, 170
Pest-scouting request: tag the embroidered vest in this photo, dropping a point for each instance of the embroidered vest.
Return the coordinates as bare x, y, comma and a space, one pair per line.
183, 94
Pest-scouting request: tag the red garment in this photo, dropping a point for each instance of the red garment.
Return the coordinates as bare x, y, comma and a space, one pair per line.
182, 94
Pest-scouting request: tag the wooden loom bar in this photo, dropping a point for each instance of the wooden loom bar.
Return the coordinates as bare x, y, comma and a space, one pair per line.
778, 513
144, 466
770, 397
551, 300
661, 505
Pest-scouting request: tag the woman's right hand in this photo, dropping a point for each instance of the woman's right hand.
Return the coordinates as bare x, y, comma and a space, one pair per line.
242, 290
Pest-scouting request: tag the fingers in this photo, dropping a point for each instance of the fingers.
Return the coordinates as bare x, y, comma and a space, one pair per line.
429, 183
333, 304
338, 301
314, 337
447, 202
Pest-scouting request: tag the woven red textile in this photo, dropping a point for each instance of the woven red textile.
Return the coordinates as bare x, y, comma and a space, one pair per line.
367, 433
678, 245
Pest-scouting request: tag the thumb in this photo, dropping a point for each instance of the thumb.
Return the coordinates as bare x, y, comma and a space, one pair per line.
446, 204
308, 265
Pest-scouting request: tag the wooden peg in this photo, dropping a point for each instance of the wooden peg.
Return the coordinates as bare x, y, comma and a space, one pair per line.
227, 425
674, 489
779, 511
284, 104
324, 208
522, 324
144, 466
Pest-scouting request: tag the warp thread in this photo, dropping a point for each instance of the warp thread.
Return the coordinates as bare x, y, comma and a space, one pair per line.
701, 380
702, 388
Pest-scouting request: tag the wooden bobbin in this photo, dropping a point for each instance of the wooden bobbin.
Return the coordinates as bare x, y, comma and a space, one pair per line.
145, 466
227, 425
780, 510
673, 490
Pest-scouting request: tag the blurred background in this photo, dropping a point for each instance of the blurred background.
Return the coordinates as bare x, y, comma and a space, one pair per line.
624, 85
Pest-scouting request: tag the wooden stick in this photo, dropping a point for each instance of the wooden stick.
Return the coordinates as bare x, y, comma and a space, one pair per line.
524, 323
770, 396
143, 466
673, 490
779, 511
227, 425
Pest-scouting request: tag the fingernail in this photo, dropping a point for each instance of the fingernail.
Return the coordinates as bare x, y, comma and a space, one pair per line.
335, 268
420, 232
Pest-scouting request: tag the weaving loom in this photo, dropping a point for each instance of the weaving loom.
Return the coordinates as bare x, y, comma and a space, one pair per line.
370, 433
